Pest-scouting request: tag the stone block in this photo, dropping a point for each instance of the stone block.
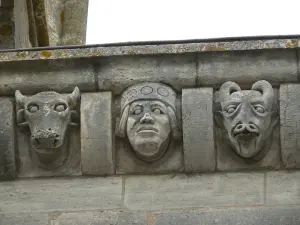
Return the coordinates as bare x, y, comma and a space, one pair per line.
181, 191
102, 218
245, 216
117, 73
7, 140
71, 167
289, 124
60, 195
282, 188
97, 150
228, 160
198, 129
24, 219
31, 77
247, 67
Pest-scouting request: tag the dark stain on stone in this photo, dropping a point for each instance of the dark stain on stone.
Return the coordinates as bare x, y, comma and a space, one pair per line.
21, 54
62, 16
6, 30
46, 54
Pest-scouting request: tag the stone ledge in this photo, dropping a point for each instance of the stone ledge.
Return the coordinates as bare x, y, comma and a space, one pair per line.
153, 49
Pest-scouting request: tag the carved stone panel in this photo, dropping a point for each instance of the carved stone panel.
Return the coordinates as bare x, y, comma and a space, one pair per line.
7, 140
247, 132
148, 130
48, 134
198, 129
290, 124
97, 150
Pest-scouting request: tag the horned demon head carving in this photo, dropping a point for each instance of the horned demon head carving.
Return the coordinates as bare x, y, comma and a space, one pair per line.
249, 116
148, 119
48, 115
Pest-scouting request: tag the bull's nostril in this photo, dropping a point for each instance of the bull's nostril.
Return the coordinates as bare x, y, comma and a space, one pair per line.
49, 129
252, 126
56, 135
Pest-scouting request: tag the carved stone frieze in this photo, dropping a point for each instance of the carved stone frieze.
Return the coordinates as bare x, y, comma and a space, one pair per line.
249, 118
48, 116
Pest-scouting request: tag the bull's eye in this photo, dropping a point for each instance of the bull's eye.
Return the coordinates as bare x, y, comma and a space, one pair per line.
259, 109
33, 108
60, 107
231, 109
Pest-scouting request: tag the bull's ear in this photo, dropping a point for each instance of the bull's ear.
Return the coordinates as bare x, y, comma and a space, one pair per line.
20, 99
21, 118
75, 120
74, 97
219, 118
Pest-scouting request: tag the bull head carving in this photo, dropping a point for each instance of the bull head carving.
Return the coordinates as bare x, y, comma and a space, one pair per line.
48, 115
248, 116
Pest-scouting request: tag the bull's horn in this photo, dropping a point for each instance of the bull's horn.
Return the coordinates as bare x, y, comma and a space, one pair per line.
74, 96
227, 89
19, 99
265, 88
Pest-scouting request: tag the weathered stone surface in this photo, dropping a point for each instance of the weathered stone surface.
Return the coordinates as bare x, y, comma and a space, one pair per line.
246, 67
7, 140
156, 48
46, 157
47, 195
180, 191
61, 76
74, 24
282, 188
128, 163
54, 14
228, 160
97, 150
246, 216
102, 218
289, 124
6, 28
117, 73
22, 39
198, 125
227, 157
24, 219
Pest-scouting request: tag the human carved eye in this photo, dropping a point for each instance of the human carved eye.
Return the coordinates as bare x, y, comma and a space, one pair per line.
259, 109
60, 107
231, 109
137, 111
33, 108
157, 111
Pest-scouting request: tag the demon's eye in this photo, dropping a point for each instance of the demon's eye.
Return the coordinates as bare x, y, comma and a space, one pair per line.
60, 107
33, 108
259, 109
231, 109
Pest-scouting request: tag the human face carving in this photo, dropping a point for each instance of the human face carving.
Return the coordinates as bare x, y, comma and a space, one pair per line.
148, 129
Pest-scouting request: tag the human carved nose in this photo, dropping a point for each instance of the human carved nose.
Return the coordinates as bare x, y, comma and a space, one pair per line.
147, 119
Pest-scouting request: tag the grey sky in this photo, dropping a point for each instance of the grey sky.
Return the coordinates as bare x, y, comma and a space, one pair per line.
141, 20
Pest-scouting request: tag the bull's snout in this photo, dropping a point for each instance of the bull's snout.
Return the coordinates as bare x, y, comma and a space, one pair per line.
46, 139
245, 129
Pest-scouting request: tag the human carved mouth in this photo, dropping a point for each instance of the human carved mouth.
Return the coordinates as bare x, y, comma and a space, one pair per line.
147, 129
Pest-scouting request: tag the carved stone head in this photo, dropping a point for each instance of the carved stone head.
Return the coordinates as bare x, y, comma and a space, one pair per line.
48, 115
248, 116
148, 119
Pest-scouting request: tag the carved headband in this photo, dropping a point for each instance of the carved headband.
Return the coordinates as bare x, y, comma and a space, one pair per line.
149, 91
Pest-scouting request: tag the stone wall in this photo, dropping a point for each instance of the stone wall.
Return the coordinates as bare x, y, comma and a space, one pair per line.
199, 133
